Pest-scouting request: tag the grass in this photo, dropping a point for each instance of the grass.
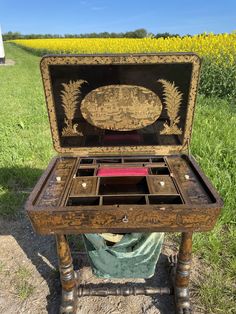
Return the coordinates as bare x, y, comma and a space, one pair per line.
25, 144
214, 146
211, 294
23, 288
26, 148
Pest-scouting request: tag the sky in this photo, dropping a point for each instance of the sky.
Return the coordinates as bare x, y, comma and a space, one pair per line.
84, 16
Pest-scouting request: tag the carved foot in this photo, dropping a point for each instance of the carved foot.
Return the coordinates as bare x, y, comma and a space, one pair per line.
68, 302
182, 301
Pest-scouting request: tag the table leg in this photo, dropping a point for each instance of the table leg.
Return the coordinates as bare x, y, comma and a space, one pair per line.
67, 275
182, 276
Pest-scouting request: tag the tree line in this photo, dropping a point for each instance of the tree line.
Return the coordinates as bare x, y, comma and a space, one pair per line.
138, 33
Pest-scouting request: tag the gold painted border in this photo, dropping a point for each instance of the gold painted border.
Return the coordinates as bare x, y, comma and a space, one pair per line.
121, 59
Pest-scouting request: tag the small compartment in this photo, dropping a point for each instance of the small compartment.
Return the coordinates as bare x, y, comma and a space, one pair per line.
82, 201
83, 186
158, 159
85, 161
108, 161
135, 160
134, 199
123, 185
159, 170
161, 185
85, 172
116, 138
165, 199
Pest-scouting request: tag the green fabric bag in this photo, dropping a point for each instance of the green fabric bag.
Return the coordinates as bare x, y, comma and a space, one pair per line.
134, 256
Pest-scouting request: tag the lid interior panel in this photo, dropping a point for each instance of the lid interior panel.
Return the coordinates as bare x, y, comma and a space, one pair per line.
123, 104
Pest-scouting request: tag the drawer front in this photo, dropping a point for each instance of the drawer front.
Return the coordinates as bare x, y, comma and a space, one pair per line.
124, 220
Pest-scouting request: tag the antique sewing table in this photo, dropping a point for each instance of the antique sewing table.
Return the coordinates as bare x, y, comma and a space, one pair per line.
122, 125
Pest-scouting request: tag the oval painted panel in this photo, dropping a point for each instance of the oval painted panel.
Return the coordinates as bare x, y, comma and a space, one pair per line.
121, 107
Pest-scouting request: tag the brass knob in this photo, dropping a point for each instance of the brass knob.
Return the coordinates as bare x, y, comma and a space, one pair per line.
125, 219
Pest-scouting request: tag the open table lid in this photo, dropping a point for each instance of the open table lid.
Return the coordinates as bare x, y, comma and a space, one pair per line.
124, 104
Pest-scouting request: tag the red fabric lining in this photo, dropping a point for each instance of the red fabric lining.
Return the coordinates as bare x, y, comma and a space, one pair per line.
120, 172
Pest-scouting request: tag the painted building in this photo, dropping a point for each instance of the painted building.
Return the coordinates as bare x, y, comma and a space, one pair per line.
2, 53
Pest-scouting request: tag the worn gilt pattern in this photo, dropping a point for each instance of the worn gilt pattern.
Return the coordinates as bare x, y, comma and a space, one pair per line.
53, 189
103, 218
70, 197
173, 99
69, 102
121, 59
192, 191
121, 107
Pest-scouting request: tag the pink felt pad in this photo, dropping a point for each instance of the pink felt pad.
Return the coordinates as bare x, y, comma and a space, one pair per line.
122, 172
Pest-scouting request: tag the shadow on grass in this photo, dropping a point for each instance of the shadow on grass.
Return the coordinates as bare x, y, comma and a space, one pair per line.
17, 183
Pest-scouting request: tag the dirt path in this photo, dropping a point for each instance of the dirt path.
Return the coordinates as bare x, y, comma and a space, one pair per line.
29, 280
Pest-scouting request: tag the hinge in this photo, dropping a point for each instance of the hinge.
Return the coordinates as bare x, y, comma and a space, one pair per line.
188, 147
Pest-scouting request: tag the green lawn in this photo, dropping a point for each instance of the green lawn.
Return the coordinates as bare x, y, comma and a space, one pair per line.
25, 144
26, 148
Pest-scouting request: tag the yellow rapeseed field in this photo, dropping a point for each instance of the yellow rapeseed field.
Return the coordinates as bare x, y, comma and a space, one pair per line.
218, 47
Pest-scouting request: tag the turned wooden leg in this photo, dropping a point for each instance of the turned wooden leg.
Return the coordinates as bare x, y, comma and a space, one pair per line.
67, 275
182, 275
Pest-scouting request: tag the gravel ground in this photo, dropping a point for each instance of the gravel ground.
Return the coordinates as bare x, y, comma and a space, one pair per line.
29, 280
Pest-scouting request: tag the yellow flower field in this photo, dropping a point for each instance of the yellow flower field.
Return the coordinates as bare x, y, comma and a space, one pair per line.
217, 47
218, 52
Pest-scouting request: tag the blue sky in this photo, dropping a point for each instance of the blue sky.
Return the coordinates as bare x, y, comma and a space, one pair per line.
83, 16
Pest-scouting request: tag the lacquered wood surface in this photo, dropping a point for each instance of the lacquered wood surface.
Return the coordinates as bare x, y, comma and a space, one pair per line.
72, 199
